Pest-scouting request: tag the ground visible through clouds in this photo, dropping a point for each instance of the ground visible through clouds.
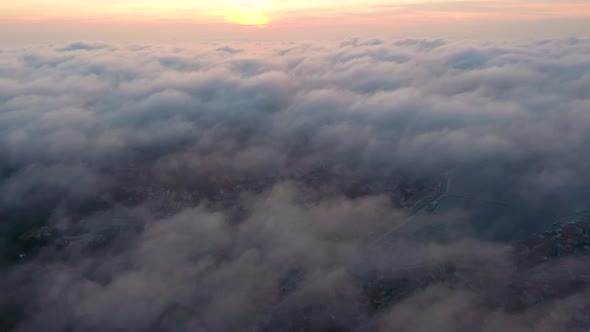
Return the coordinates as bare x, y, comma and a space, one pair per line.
370, 185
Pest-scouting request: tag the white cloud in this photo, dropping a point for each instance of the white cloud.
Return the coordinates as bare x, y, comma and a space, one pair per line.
285, 131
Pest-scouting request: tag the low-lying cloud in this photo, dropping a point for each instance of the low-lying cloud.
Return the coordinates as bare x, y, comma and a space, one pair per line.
244, 187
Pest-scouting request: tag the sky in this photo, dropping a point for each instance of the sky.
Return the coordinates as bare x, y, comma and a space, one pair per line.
187, 20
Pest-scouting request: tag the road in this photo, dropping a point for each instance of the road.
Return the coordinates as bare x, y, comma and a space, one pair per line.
427, 208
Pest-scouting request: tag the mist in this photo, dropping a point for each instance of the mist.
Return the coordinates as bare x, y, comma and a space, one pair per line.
365, 185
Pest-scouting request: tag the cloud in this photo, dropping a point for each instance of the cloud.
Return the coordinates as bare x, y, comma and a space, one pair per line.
81, 46
421, 44
229, 50
162, 188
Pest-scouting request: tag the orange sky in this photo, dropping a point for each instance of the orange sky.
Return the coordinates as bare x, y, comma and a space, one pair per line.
276, 19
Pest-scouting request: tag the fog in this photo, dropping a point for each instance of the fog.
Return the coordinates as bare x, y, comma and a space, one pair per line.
264, 186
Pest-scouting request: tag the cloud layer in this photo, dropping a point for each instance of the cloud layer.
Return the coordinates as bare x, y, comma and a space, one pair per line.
240, 187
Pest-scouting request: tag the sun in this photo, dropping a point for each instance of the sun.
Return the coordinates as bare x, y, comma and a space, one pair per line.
254, 19
248, 12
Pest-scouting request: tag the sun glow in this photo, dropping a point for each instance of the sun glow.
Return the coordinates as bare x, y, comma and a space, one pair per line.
255, 19
247, 12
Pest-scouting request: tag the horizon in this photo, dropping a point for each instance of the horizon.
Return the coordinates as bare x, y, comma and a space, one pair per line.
185, 21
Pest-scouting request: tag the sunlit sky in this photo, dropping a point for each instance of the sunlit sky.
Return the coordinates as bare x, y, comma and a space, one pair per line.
288, 19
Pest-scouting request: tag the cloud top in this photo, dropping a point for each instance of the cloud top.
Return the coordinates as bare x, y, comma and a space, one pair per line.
240, 187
